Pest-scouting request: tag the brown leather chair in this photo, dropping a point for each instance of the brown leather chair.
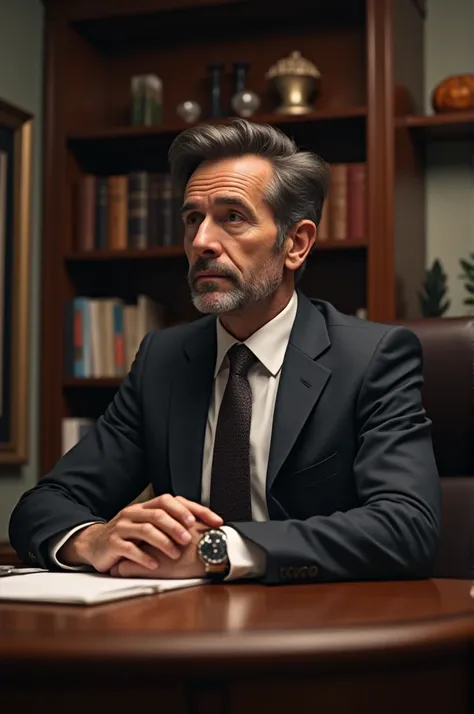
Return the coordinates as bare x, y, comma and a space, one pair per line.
448, 397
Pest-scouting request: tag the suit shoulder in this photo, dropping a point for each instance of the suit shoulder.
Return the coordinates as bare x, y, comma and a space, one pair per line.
369, 333
336, 320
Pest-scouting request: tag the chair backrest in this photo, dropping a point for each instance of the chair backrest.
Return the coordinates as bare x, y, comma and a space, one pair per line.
448, 397
448, 392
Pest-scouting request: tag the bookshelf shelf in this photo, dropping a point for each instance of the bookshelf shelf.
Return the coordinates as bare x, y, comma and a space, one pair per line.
177, 251
131, 133
457, 126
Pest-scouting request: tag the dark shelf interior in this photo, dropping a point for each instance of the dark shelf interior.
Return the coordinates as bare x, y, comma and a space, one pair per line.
337, 134
198, 20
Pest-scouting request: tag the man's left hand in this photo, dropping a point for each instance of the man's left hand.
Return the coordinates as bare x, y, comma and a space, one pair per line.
189, 565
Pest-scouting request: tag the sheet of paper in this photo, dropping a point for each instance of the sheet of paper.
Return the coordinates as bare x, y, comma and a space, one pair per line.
83, 588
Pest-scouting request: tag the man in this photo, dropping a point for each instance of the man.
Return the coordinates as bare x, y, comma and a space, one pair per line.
284, 441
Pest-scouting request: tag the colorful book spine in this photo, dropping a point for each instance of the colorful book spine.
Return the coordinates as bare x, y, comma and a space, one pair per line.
82, 342
119, 339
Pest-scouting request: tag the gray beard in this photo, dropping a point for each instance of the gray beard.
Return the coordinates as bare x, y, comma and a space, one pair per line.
256, 288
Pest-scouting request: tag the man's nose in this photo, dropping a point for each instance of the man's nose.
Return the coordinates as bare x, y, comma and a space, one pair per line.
206, 239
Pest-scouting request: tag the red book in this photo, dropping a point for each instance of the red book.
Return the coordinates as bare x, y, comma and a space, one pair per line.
338, 202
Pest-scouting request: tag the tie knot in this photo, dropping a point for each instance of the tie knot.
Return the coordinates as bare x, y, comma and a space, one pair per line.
241, 359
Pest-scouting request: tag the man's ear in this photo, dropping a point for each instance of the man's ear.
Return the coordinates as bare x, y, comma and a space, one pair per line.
302, 237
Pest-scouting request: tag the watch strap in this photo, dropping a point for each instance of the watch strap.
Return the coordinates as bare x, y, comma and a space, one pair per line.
217, 573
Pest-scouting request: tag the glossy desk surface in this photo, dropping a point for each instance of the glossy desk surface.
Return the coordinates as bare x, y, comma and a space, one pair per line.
249, 623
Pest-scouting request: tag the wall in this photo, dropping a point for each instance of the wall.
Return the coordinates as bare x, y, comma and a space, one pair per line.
21, 71
449, 49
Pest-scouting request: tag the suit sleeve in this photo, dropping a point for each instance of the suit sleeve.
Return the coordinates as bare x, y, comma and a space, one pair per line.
102, 474
246, 559
394, 533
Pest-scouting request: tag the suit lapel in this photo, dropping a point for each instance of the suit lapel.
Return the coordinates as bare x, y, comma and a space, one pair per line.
190, 397
301, 383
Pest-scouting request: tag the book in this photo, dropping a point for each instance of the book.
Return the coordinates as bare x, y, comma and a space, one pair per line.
83, 588
338, 202
136, 211
117, 215
85, 191
73, 430
102, 335
344, 214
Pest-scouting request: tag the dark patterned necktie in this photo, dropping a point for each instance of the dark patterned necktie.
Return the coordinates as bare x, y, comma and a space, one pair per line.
230, 479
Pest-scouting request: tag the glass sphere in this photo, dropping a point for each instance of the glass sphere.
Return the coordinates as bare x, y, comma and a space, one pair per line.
189, 111
245, 103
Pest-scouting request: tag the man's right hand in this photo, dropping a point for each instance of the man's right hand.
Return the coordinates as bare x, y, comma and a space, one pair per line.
162, 522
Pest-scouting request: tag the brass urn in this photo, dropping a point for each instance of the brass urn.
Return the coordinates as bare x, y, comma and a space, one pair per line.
296, 80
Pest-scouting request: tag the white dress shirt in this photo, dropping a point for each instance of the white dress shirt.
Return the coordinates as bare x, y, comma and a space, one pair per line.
268, 345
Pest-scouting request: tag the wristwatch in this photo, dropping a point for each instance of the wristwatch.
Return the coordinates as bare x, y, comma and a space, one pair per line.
212, 549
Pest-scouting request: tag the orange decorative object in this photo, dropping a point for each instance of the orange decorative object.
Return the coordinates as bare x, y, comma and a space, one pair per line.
454, 94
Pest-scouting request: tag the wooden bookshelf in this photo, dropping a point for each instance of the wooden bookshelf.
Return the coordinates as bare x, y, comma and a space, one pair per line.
92, 51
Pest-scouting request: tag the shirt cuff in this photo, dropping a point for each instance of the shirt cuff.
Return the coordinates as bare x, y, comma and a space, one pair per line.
247, 560
57, 543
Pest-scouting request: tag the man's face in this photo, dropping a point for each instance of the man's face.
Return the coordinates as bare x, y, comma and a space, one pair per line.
230, 235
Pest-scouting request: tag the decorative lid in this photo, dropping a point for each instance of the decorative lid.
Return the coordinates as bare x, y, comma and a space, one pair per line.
293, 64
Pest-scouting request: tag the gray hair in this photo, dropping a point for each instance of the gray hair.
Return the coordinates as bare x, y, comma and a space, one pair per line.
300, 181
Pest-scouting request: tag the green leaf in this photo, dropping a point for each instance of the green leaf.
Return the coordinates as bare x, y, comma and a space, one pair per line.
467, 267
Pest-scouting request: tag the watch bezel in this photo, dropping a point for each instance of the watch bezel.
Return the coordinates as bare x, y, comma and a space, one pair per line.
205, 558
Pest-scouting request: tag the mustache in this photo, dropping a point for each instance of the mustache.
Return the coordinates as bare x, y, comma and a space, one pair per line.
210, 265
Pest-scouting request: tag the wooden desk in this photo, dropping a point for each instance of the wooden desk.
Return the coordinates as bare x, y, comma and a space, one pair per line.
354, 648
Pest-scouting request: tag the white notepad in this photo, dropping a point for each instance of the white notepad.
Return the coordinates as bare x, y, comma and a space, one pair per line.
83, 588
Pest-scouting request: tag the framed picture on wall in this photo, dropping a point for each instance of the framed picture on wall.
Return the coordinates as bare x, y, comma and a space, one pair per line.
15, 220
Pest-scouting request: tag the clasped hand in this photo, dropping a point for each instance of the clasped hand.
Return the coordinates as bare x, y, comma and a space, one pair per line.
157, 539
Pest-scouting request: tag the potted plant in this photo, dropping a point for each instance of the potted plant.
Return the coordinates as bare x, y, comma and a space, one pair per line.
433, 301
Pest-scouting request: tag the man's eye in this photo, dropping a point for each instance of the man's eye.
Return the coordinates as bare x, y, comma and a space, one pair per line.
192, 218
234, 217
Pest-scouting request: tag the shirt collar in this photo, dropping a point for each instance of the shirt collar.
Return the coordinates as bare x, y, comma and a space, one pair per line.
268, 344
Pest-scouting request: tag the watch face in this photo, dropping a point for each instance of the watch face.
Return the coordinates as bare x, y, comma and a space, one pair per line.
213, 547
